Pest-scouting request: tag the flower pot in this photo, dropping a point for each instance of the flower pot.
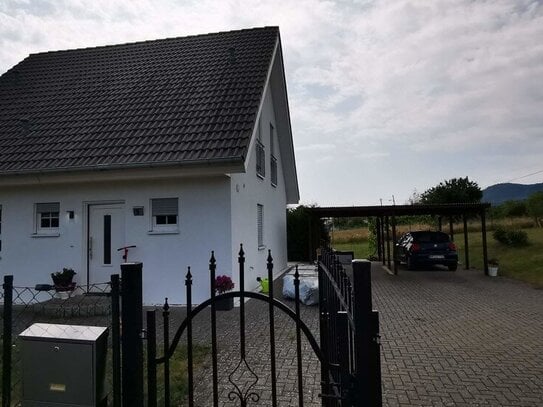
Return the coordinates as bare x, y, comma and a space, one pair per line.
492, 271
224, 304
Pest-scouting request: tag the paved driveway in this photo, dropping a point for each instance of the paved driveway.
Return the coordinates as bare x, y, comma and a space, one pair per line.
448, 339
459, 338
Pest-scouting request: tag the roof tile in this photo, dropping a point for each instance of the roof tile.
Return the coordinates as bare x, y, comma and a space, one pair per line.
171, 100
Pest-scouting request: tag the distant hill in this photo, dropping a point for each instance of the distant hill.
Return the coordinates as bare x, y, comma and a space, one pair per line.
499, 193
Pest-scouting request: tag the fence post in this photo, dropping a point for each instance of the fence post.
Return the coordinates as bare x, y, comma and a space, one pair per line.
116, 338
7, 339
132, 324
367, 389
151, 359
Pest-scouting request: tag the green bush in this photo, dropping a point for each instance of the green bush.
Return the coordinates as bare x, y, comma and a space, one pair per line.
514, 238
500, 235
517, 238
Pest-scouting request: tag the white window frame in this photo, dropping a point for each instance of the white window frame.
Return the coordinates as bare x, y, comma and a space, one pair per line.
260, 225
47, 211
260, 159
164, 209
273, 159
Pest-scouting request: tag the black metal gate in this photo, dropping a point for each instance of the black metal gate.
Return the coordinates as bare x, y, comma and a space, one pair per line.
348, 352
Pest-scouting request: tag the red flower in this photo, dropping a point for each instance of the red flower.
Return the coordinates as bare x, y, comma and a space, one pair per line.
223, 284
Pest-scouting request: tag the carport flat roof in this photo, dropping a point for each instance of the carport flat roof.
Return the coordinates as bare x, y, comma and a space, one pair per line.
399, 210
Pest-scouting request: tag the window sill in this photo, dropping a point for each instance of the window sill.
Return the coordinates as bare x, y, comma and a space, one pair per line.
274, 185
260, 176
263, 247
163, 232
57, 234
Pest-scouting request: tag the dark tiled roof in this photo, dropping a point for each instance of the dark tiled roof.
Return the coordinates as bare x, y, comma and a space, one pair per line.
170, 101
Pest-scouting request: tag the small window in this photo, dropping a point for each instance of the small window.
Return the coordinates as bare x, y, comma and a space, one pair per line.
260, 159
260, 224
47, 218
165, 213
273, 160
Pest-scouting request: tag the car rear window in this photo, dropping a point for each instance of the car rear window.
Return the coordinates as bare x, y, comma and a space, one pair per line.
431, 237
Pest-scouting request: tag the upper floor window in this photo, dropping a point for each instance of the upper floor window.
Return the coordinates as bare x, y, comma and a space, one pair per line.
164, 212
273, 160
47, 218
260, 224
260, 159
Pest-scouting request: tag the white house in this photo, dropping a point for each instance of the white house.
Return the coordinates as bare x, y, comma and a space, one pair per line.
177, 146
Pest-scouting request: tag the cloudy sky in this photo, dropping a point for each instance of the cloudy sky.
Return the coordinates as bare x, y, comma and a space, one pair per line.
386, 97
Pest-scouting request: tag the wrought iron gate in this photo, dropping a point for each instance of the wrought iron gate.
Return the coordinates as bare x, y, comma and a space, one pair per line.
350, 373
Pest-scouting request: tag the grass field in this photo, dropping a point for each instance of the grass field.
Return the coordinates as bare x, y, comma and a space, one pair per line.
521, 263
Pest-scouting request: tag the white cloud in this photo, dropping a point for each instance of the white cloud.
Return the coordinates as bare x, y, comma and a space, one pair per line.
402, 79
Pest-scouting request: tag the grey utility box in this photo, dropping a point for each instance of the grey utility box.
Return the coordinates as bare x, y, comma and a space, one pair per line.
64, 365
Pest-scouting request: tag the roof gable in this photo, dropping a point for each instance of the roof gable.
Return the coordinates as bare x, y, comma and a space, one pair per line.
176, 101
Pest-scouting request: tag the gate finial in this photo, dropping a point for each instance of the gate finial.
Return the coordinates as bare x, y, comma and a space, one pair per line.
166, 306
188, 277
241, 258
212, 260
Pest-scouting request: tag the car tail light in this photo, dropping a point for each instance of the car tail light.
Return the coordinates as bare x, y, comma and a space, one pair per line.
415, 247
452, 246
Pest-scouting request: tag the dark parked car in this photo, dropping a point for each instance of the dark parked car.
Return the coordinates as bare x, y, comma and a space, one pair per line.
425, 248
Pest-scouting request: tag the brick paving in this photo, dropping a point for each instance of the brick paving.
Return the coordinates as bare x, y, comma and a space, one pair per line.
448, 339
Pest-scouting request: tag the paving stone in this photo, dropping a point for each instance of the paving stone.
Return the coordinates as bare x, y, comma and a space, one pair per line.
448, 339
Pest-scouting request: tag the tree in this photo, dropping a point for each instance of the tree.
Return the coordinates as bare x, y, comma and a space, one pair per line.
455, 190
300, 225
534, 203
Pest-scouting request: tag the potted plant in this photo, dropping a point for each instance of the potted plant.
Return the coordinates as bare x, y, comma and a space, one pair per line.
63, 280
222, 285
493, 267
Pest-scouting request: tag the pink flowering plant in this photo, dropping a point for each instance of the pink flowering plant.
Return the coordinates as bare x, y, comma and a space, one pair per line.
223, 284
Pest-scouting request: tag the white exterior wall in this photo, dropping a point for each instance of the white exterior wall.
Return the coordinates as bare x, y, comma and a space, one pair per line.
204, 225
248, 190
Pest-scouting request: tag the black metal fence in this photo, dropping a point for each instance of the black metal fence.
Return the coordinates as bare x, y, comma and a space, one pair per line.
348, 350
241, 388
85, 305
349, 332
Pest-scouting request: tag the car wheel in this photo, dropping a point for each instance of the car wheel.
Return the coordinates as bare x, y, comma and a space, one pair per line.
410, 264
453, 267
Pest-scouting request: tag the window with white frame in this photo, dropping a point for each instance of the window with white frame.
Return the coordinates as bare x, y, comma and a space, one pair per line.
260, 224
165, 214
260, 159
273, 160
47, 218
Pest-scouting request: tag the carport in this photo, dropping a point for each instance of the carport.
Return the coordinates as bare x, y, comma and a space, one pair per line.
386, 223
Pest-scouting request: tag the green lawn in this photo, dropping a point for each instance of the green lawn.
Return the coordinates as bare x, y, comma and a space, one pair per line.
521, 263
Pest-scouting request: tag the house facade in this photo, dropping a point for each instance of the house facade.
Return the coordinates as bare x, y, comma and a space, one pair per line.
176, 147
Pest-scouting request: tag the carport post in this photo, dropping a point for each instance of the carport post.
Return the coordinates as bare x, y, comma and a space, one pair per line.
394, 244
388, 242
485, 251
466, 243
132, 344
378, 235
451, 229
382, 231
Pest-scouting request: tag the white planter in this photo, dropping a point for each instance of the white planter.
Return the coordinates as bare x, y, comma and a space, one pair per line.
492, 271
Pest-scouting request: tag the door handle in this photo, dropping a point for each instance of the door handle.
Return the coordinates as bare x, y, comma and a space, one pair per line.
90, 247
